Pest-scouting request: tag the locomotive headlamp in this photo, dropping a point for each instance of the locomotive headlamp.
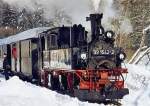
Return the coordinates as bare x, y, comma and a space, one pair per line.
122, 56
109, 34
83, 56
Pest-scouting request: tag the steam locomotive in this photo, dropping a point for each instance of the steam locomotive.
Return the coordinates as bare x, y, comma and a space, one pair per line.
62, 59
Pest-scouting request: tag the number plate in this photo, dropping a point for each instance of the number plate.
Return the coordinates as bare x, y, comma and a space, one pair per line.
103, 52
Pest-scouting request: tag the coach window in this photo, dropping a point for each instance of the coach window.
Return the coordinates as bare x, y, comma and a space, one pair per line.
42, 42
48, 42
53, 41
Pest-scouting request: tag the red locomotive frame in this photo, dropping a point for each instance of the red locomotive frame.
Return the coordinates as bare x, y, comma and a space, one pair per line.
92, 83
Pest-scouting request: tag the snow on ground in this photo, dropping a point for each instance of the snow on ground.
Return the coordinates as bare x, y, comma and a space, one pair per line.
15, 92
1, 78
138, 82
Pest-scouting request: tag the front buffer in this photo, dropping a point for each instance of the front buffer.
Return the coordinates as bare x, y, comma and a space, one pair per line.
97, 96
101, 85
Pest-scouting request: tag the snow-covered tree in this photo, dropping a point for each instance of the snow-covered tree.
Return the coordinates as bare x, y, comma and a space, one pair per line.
9, 16
138, 13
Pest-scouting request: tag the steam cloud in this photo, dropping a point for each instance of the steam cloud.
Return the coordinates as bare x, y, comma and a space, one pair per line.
96, 4
110, 13
76, 9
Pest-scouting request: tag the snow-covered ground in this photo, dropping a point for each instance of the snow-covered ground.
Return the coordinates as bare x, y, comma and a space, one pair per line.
15, 92
138, 82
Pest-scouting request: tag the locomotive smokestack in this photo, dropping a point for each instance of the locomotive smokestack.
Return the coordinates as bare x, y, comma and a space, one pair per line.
95, 24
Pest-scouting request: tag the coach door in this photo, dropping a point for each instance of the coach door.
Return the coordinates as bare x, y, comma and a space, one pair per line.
41, 49
9, 54
34, 55
5, 49
15, 60
26, 57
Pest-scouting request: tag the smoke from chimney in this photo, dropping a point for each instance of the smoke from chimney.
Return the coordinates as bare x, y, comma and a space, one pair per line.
76, 9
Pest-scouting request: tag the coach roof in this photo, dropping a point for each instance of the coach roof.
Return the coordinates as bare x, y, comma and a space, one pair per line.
32, 33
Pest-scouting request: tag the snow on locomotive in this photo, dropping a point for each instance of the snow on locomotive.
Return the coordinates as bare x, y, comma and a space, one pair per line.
63, 59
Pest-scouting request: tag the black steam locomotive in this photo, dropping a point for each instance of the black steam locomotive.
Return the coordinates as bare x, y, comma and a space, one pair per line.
63, 59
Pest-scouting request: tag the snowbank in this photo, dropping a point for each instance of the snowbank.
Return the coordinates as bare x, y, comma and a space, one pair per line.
138, 82
142, 57
15, 92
